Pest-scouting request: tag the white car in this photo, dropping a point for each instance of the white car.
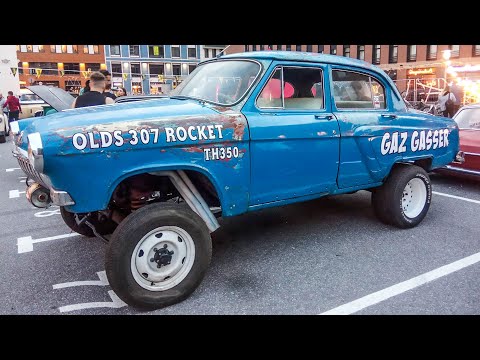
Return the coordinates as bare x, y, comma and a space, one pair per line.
4, 127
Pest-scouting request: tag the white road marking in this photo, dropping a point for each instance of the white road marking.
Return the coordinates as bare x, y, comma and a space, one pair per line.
382, 295
116, 303
102, 275
25, 244
11, 169
46, 213
456, 197
15, 193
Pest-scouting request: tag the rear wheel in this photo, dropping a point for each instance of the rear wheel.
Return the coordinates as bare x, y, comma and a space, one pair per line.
404, 199
158, 255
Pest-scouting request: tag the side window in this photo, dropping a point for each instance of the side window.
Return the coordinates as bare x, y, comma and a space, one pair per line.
353, 90
468, 119
302, 89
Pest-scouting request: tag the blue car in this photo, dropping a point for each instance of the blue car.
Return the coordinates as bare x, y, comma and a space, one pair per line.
243, 132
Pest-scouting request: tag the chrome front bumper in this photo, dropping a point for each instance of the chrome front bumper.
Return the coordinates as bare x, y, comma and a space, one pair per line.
58, 197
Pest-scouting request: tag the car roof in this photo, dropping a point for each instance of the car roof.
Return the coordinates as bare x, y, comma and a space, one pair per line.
303, 56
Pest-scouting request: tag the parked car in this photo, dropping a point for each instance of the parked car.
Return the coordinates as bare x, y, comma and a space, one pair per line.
4, 128
243, 132
468, 121
30, 103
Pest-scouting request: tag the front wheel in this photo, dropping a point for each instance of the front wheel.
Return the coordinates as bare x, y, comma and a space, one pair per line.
158, 255
404, 199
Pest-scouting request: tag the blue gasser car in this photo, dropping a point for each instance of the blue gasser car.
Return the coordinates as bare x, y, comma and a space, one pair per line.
243, 132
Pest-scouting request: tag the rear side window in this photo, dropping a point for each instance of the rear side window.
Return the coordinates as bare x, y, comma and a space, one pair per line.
293, 88
352, 90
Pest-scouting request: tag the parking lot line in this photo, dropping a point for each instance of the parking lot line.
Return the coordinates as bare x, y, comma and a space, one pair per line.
15, 193
25, 244
11, 169
382, 295
102, 275
456, 197
116, 303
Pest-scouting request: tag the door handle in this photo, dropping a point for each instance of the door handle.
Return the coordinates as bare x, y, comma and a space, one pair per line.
323, 117
389, 116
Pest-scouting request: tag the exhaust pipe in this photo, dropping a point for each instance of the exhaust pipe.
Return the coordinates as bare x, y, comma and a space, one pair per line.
38, 196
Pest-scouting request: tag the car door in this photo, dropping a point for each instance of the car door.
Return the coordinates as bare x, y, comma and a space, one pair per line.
359, 103
294, 146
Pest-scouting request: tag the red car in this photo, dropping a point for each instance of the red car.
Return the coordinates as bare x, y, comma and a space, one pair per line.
468, 120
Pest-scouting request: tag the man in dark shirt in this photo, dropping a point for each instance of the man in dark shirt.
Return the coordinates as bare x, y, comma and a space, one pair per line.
108, 84
96, 95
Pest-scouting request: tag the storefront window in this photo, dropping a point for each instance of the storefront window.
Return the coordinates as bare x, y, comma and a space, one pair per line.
136, 88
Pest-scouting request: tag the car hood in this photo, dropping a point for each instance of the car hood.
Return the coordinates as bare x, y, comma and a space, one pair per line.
59, 128
56, 97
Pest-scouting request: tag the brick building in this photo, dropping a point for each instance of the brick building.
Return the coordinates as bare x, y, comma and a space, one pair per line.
65, 66
401, 62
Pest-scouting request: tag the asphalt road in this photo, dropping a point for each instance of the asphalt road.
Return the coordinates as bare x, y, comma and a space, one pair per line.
306, 258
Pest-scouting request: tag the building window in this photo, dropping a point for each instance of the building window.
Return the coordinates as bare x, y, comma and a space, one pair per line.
476, 50
20, 68
411, 52
376, 54
346, 50
320, 49
136, 87
71, 68
18, 47
279, 47
191, 68
392, 54
270, 47
116, 69
333, 49
75, 49
254, 47
298, 47
205, 53
176, 69
156, 51
361, 52
431, 52
41, 48
114, 50
261, 48
309, 48
134, 50
288, 47
93, 49
175, 51
157, 69
52, 49
192, 51
454, 50
92, 66
214, 52
135, 69
246, 48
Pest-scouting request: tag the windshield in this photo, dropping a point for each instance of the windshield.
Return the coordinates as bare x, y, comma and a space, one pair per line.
222, 82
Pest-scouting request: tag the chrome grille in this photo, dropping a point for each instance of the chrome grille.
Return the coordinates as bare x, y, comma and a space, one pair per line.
29, 170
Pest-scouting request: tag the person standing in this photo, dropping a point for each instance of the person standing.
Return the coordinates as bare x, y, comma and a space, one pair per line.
108, 84
85, 89
446, 101
14, 108
96, 94
2, 102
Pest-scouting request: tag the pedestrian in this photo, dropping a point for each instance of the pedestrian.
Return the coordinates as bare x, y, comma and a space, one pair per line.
457, 90
446, 102
108, 84
14, 108
121, 92
96, 94
85, 89
2, 101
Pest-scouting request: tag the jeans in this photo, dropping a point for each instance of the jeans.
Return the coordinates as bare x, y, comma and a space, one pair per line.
13, 116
